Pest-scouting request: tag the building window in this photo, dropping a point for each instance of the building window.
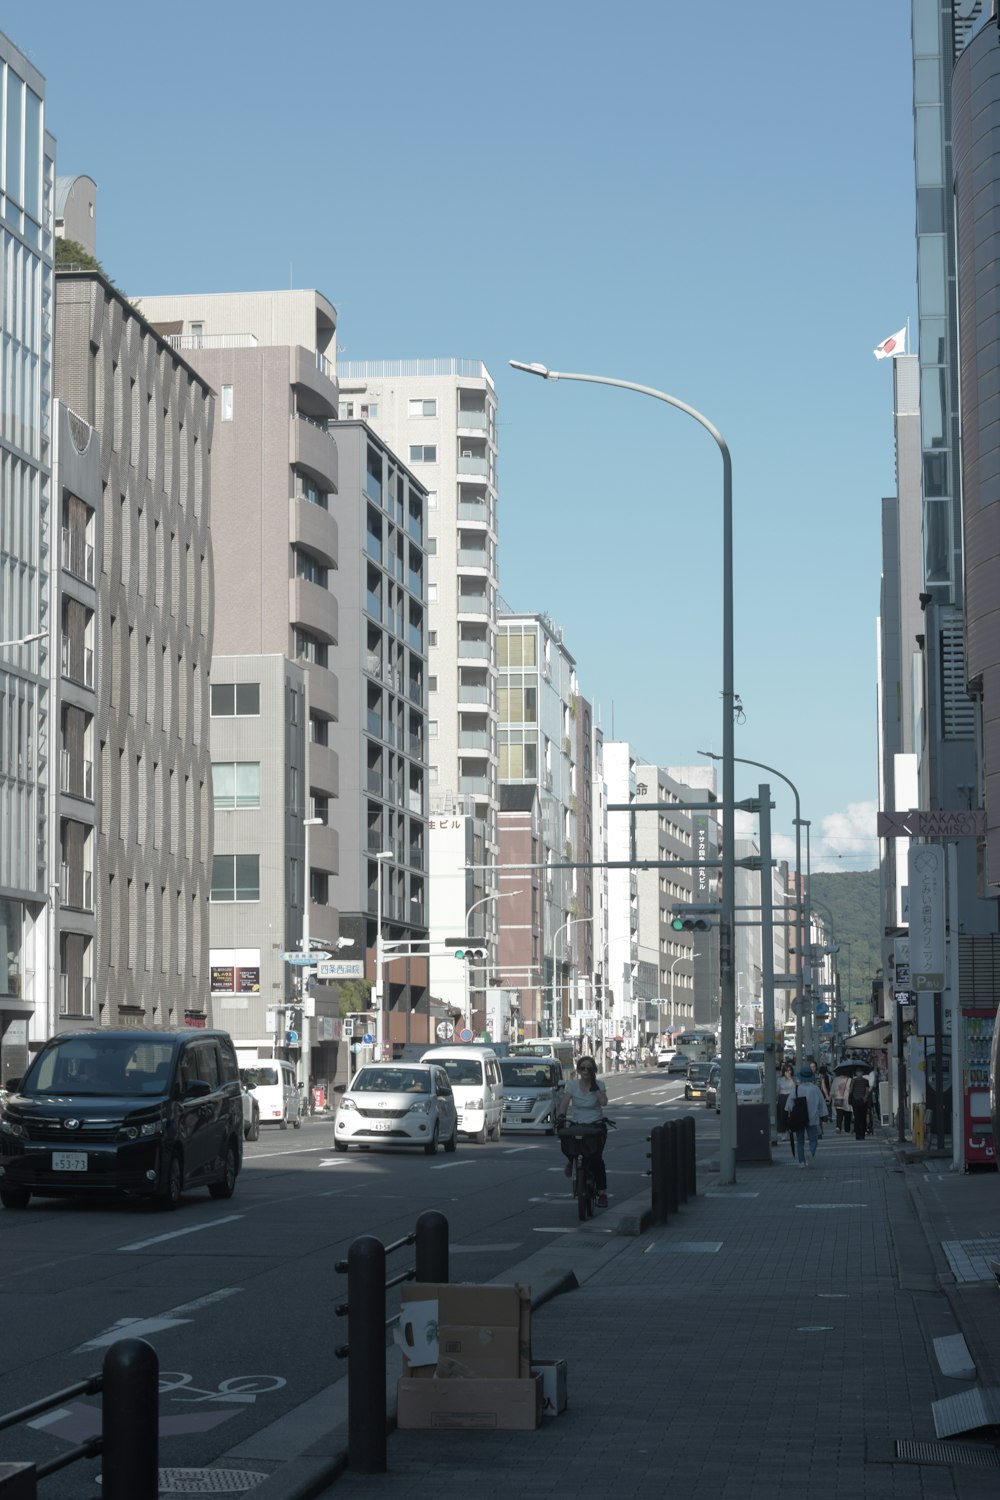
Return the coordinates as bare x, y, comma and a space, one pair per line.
432, 637
425, 453
309, 648
432, 684
308, 568
432, 726
225, 403
369, 412
345, 410
422, 408
432, 499
236, 783
239, 700
432, 546
432, 593
236, 877
293, 882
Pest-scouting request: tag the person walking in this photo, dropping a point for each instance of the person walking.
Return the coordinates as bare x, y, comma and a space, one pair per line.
842, 1109
858, 1099
785, 1084
805, 1107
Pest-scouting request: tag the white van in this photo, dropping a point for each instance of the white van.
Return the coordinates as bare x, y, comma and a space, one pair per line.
474, 1072
275, 1090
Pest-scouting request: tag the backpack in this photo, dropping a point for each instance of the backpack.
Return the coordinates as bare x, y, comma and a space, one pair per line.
859, 1089
798, 1115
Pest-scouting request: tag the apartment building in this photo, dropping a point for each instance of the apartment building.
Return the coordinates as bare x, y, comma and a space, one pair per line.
269, 358
27, 181
134, 835
440, 417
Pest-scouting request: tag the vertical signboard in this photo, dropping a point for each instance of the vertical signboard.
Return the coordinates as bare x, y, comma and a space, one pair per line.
926, 886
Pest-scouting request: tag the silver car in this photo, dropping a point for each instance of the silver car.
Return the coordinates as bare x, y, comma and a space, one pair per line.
397, 1104
531, 1087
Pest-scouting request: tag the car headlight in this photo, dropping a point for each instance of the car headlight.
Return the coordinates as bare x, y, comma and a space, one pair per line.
475, 1104
11, 1127
347, 1104
422, 1107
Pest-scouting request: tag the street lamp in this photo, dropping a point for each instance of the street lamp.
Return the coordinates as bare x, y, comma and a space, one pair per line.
573, 922
305, 944
380, 1020
24, 640
727, 909
483, 901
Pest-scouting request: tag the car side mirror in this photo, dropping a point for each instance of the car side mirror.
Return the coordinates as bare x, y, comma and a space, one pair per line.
12, 1083
197, 1089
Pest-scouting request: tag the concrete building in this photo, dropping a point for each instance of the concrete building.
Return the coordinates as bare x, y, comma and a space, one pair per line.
76, 211
440, 417
538, 705
27, 186
275, 478
519, 956
135, 654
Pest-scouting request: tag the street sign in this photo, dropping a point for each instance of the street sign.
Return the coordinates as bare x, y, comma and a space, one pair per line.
341, 968
444, 1031
302, 958
367, 1038
465, 1035
921, 823
927, 950
291, 1037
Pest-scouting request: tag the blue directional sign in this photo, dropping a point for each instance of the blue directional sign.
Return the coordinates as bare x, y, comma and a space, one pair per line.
368, 1038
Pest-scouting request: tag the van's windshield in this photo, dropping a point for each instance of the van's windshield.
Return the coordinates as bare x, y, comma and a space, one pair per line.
526, 1073
100, 1065
260, 1078
468, 1070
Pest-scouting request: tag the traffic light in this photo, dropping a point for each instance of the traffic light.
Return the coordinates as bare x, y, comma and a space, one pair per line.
690, 917
690, 924
470, 949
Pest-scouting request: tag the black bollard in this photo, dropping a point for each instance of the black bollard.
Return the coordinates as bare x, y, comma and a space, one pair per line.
366, 1407
657, 1158
431, 1253
130, 1431
678, 1162
670, 1168
690, 1164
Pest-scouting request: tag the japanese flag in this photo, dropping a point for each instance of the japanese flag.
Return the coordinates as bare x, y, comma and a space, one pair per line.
895, 344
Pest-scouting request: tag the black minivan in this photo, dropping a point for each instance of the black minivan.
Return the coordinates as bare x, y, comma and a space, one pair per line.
145, 1112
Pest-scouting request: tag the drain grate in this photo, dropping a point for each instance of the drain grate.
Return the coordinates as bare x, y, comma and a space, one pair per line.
208, 1481
973, 1455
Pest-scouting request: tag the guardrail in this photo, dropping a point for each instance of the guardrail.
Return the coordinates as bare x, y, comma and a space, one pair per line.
672, 1168
130, 1430
366, 1326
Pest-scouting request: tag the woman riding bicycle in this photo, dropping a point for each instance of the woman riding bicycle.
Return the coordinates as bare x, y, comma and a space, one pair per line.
582, 1102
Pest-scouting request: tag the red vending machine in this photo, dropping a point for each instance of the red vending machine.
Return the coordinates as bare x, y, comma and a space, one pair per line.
977, 1042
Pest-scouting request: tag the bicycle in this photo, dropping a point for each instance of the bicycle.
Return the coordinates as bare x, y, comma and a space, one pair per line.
587, 1141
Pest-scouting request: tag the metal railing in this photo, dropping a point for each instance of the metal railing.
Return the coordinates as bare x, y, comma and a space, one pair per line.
366, 1330
129, 1440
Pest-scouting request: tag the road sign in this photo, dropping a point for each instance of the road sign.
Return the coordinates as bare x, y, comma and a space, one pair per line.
291, 1037
341, 968
367, 1038
465, 1034
302, 958
927, 939
444, 1031
921, 823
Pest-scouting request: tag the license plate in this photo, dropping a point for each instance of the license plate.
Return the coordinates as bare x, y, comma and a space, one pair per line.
380, 1125
69, 1161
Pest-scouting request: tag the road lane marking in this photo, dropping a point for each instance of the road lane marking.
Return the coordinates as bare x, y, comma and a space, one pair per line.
176, 1234
172, 1318
444, 1165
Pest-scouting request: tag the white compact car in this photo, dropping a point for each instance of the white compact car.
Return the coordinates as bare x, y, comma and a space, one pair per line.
397, 1104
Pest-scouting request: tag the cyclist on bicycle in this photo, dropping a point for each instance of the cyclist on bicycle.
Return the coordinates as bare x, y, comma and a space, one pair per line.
582, 1102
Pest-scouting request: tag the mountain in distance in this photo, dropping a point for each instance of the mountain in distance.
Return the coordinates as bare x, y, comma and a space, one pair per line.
852, 897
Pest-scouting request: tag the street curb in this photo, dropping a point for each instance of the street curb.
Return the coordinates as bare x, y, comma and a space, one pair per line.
302, 1478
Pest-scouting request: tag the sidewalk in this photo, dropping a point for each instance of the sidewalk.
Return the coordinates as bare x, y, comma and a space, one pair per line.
779, 1333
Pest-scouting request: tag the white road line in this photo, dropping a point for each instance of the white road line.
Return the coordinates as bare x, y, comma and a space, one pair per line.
176, 1234
444, 1165
296, 1151
137, 1327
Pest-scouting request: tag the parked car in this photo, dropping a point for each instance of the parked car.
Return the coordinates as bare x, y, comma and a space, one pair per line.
679, 1063
397, 1104
712, 1085
663, 1056
251, 1114
142, 1112
697, 1080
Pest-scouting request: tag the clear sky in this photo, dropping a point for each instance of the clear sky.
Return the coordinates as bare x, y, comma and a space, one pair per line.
712, 199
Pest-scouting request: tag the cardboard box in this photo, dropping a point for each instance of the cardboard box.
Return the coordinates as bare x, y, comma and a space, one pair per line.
459, 1330
469, 1405
553, 1377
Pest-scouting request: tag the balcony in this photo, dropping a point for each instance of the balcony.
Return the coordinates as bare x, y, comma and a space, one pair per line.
76, 996
416, 692
473, 557
314, 449
373, 722
313, 608
414, 528
478, 649
324, 849
471, 464
316, 390
468, 511
479, 786
416, 857
415, 747
373, 604
474, 739
324, 771
472, 421
324, 692
473, 692
373, 781
314, 528
415, 802
77, 662
76, 776
76, 888
77, 555
473, 604
373, 840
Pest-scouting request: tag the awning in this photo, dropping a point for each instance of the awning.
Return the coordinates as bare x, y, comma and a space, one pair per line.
879, 1034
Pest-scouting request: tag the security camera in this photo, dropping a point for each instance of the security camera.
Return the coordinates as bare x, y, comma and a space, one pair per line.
345, 942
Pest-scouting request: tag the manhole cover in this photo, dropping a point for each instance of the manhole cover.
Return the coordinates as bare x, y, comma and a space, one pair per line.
208, 1481
975, 1455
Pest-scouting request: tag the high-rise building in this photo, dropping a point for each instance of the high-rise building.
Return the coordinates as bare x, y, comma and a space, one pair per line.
440, 417
27, 185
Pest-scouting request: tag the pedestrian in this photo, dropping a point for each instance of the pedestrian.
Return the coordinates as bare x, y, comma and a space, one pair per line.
805, 1107
822, 1083
786, 1083
842, 1109
858, 1099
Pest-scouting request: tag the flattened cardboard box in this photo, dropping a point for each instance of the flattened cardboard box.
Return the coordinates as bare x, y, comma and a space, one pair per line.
470, 1405
482, 1331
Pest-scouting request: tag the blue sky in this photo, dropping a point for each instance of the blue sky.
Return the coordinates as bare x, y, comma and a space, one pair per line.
715, 200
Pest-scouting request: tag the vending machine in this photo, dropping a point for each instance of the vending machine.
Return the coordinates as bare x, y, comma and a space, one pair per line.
977, 1043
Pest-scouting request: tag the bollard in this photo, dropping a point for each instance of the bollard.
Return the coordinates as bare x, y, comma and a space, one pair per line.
17, 1482
690, 1153
130, 1422
678, 1161
669, 1167
366, 1404
657, 1166
431, 1254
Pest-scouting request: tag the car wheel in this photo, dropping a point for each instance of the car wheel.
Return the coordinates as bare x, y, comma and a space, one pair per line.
479, 1136
340, 1145
283, 1123
496, 1131
15, 1197
450, 1146
431, 1146
171, 1195
297, 1123
255, 1126
227, 1186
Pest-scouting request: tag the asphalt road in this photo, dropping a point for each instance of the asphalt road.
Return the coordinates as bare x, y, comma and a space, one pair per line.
238, 1297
